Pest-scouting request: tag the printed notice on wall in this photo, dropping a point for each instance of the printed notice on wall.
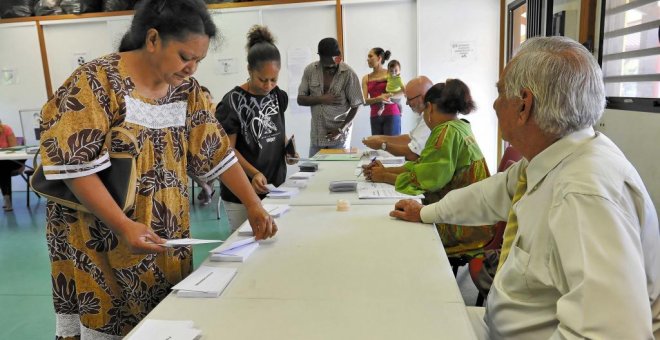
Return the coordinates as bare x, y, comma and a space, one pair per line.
463, 51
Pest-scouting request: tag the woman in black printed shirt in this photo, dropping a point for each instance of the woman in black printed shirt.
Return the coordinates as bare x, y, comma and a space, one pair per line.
252, 114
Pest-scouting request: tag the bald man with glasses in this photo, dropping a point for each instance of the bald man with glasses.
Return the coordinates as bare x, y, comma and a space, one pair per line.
411, 144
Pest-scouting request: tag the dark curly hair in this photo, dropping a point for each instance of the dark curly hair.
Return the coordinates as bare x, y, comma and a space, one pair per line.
173, 19
261, 47
451, 97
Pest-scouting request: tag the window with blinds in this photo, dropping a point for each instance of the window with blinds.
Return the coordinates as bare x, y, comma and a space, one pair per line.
631, 50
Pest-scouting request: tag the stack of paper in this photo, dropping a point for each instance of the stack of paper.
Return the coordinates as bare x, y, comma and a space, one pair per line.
386, 160
166, 329
238, 251
296, 183
205, 282
336, 157
281, 192
275, 210
302, 175
380, 190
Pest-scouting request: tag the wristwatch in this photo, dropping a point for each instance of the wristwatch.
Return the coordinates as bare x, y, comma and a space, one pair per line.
383, 146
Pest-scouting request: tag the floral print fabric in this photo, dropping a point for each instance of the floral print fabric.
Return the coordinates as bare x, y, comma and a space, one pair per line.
99, 287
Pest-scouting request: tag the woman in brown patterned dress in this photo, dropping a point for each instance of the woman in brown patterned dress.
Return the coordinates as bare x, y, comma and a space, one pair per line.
102, 286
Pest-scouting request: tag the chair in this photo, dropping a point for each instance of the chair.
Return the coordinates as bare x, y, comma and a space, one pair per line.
25, 171
510, 157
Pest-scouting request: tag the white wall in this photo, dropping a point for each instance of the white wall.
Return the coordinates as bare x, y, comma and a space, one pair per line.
390, 26
634, 133
300, 26
21, 54
476, 22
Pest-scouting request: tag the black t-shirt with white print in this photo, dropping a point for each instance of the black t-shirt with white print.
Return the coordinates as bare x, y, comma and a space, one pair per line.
258, 122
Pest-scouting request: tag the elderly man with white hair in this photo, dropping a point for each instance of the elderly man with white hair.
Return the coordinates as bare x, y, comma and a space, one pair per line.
581, 251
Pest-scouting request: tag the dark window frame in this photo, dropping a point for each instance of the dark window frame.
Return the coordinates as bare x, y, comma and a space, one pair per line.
651, 105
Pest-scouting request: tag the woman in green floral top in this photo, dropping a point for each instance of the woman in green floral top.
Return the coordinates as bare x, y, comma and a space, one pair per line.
450, 160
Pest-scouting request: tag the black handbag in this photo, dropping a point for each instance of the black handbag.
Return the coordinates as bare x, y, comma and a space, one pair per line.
119, 179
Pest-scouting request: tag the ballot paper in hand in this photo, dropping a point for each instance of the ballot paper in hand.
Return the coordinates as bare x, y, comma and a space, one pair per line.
205, 282
281, 192
166, 329
235, 252
180, 242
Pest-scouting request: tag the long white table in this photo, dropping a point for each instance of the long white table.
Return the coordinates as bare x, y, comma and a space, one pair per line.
335, 275
318, 193
15, 155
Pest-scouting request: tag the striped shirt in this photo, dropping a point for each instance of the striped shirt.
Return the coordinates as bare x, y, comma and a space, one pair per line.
326, 118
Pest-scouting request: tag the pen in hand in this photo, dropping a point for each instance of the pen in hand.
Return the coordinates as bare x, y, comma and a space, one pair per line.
373, 160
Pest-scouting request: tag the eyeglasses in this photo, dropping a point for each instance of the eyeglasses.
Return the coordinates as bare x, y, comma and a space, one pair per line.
413, 98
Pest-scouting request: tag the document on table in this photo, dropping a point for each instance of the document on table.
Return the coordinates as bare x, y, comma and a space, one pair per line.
239, 254
302, 175
387, 160
205, 282
281, 192
335, 157
166, 330
186, 242
368, 190
238, 251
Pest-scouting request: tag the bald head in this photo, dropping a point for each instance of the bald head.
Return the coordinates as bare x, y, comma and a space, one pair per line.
415, 91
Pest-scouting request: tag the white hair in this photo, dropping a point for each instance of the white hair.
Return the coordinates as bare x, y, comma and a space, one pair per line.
564, 78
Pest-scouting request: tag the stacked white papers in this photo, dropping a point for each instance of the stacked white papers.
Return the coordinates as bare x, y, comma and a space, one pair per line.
275, 210
166, 329
186, 242
386, 160
302, 175
238, 251
368, 190
296, 183
281, 192
205, 282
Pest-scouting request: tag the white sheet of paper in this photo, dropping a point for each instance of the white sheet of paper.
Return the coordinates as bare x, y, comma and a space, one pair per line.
236, 244
187, 242
206, 279
283, 192
368, 190
166, 329
302, 175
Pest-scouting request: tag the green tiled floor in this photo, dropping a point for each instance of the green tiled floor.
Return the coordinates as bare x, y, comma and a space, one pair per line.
26, 310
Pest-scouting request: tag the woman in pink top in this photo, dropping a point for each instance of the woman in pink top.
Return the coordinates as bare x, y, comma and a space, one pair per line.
385, 115
7, 139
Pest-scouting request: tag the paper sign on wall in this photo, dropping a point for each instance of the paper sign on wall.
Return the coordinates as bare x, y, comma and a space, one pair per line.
225, 66
8, 76
78, 59
463, 50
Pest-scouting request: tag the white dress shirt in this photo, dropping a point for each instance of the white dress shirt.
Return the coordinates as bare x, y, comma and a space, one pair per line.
418, 136
585, 262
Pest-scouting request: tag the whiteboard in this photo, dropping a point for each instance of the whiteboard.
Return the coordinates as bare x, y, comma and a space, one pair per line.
30, 121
